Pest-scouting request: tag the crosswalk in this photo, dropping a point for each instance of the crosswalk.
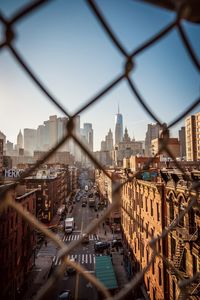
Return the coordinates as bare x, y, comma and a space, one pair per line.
75, 237
84, 258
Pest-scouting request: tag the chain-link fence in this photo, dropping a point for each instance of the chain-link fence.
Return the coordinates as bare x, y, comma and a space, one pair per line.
184, 9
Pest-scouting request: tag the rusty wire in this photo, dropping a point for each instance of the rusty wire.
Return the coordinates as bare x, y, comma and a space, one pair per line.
181, 8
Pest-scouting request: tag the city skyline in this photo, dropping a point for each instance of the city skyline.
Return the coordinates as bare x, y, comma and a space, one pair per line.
64, 51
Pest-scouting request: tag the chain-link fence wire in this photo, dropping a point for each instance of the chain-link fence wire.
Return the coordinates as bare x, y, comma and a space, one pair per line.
184, 10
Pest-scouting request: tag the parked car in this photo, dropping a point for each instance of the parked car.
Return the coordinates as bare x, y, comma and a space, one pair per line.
64, 295
116, 243
100, 246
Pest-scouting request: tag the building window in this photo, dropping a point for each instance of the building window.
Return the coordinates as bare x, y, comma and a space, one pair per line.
154, 293
171, 208
159, 275
173, 290
151, 203
148, 284
195, 262
153, 266
147, 253
146, 204
173, 246
147, 228
158, 213
159, 244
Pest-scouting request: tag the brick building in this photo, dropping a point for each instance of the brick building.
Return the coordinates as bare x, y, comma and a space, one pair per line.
173, 145
143, 201
192, 137
17, 247
183, 241
106, 187
147, 208
51, 191
1, 157
139, 162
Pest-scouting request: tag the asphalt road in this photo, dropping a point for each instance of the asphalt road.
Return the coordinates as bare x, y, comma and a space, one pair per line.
84, 254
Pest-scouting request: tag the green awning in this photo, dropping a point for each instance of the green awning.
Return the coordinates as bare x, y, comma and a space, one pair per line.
105, 273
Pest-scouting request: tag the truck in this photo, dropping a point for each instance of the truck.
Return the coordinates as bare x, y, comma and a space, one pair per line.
69, 225
91, 202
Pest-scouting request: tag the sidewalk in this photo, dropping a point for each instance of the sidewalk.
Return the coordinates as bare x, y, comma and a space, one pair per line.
117, 257
118, 265
43, 263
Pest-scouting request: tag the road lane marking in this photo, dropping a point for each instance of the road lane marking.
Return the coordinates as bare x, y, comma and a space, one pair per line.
90, 256
82, 257
86, 258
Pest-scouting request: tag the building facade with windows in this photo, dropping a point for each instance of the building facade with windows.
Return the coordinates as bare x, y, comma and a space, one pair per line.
192, 137
18, 244
142, 214
183, 240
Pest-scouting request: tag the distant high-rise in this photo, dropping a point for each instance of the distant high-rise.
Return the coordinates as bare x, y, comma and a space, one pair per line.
3, 137
118, 128
182, 142
152, 133
29, 141
109, 141
107, 145
87, 132
192, 137
19, 140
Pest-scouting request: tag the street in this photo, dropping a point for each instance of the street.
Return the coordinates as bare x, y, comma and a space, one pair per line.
83, 254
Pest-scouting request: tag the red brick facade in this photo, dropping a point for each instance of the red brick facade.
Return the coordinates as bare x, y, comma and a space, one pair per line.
17, 247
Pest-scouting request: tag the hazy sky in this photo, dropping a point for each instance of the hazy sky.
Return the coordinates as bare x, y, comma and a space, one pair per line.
68, 49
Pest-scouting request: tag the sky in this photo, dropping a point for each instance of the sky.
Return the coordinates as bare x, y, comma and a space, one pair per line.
71, 54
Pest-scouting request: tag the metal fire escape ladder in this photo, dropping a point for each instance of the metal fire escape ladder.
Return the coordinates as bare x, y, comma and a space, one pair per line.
177, 258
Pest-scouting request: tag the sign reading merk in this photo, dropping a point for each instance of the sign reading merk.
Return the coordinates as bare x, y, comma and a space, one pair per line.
12, 173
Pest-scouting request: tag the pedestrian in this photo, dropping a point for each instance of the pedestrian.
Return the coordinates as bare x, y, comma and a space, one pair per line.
45, 242
105, 232
103, 225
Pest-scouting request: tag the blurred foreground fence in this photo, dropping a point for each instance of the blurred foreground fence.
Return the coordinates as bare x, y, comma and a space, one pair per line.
189, 10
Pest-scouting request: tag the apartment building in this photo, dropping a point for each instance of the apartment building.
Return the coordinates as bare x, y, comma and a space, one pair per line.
183, 240
173, 145
52, 191
142, 219
18, 243
192, 137
1, 157
106, 186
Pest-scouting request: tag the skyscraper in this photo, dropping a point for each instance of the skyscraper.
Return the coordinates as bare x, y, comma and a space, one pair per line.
118, 128
88, 135
109, 141
192, 137
181, 134
29, 141
19, 140
152, 133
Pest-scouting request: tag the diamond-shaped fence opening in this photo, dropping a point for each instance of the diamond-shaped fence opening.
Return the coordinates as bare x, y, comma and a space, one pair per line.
189, 10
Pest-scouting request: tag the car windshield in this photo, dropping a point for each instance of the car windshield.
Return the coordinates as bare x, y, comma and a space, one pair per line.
64, 295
